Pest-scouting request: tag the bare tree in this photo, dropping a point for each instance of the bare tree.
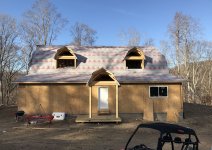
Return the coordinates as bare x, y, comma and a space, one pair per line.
82, 34
13, 70
9, 60
204, 84
197, 72
148, 42
165, 49
130, 37
184, 30
40, 26
193, 58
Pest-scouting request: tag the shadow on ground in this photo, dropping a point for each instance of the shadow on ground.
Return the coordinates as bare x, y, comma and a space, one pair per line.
67, 134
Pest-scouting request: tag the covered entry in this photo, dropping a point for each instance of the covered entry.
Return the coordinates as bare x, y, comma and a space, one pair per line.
103, 98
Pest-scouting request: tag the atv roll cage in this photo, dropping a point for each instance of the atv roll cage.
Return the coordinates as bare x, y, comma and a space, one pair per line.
166, 130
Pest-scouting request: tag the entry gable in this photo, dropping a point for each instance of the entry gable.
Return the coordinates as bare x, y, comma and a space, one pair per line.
102, 75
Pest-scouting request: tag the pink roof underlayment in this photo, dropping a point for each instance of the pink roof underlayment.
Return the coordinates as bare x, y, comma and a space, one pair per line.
89, 59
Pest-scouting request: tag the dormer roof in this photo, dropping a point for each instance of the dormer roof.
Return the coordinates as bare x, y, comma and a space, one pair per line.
135, 52
64, 50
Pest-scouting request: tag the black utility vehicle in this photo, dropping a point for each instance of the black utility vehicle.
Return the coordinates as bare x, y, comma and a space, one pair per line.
168, 134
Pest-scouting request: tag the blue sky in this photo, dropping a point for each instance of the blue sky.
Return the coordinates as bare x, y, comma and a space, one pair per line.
109, 17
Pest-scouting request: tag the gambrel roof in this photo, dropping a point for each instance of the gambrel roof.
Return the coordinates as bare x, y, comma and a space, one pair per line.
89, 59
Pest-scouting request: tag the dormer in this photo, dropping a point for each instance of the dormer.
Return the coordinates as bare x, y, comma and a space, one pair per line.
65, 57
134, 59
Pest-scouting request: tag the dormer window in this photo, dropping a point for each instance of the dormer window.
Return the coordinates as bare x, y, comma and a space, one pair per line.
135, 59
61, 63
65, 58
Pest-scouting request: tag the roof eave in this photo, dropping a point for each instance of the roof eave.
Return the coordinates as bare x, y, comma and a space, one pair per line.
83, 82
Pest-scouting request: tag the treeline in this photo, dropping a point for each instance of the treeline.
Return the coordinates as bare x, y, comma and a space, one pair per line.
190, 58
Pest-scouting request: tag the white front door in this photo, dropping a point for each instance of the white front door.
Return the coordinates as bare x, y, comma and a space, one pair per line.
103, 98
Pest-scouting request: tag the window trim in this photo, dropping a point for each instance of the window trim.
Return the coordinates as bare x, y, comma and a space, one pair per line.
158, 91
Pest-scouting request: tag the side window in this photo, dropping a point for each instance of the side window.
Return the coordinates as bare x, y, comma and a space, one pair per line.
153, 91
163, 91
158, 91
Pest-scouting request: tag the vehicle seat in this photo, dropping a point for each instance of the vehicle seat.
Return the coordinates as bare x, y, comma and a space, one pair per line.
188, 143
166, 138
177, 140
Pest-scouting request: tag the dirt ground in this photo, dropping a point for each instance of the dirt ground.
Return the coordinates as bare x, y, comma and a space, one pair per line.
67, 135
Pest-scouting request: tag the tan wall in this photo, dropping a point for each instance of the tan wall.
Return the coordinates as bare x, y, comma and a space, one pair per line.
134, 98
62, 98
131, 98
74, 99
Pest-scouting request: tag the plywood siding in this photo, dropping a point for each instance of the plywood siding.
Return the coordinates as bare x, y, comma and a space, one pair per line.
175, 103
74, 99
131, 98
21, 100
134, 98
63, 98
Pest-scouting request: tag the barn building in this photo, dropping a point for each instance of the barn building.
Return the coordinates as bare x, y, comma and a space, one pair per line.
101, 84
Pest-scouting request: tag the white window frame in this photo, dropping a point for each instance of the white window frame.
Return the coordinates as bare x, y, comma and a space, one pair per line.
158, 91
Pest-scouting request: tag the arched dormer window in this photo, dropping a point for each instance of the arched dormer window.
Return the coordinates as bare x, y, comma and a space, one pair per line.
134, 59
65, 58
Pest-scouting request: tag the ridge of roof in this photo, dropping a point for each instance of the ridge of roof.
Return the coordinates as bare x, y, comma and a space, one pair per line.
84, 78
100, 46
